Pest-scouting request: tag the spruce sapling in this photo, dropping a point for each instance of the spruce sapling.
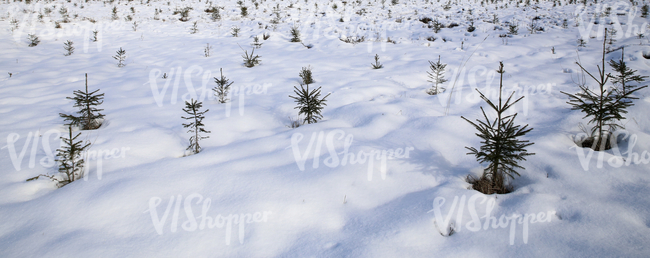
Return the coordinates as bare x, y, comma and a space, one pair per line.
120, 57
114, 14
625, 75
94, 38
207, 49
33, 40
70, 159
235, 31
295, 34
89, 115
252, 59
437, 76
222, 88
256, 43
377, 65
196, 126
244, 11
194, 29
68, 47
309, 103
604, 106
305, 74
501, 148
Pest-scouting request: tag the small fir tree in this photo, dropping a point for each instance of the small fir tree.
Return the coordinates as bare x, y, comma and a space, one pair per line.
33, 40
377, 65
235, 31
295, 34
194, 29
605, 107
222, 88
70, 158
120, 57
87, 102
244, 11
623, 77
437, 76
309, 103
252, 59
207, 49
256, 43
68, 47
501, 148
192, 108
94, 38
305, 75
114, 14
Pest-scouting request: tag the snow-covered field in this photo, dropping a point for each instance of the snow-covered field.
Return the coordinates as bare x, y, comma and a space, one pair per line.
262, 189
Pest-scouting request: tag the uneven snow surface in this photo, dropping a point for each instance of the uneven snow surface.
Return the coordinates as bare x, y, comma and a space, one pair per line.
381, 175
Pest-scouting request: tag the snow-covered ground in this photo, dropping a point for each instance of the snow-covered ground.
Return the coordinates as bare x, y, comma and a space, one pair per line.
290, 187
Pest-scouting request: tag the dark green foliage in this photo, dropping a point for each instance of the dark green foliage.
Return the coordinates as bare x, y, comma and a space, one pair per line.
501, 148
471, 27
309, 103
89, 116
114, 14
68, 47
644, 11
305, 75
513, 29
192, 108
436, 26
70, 158
295, 34
222, 88
244, 11
33, 40
377, 65
252, 59
120, 57
256, 42
437, 76
603, 106
624, 77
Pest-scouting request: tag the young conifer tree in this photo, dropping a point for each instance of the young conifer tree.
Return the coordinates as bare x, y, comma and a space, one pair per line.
309, 103
305, 75
623, 77
222, 88
120, 57
437, 76
501, 148
68, 47
192, 108
70, 158
87, 102
605, 107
